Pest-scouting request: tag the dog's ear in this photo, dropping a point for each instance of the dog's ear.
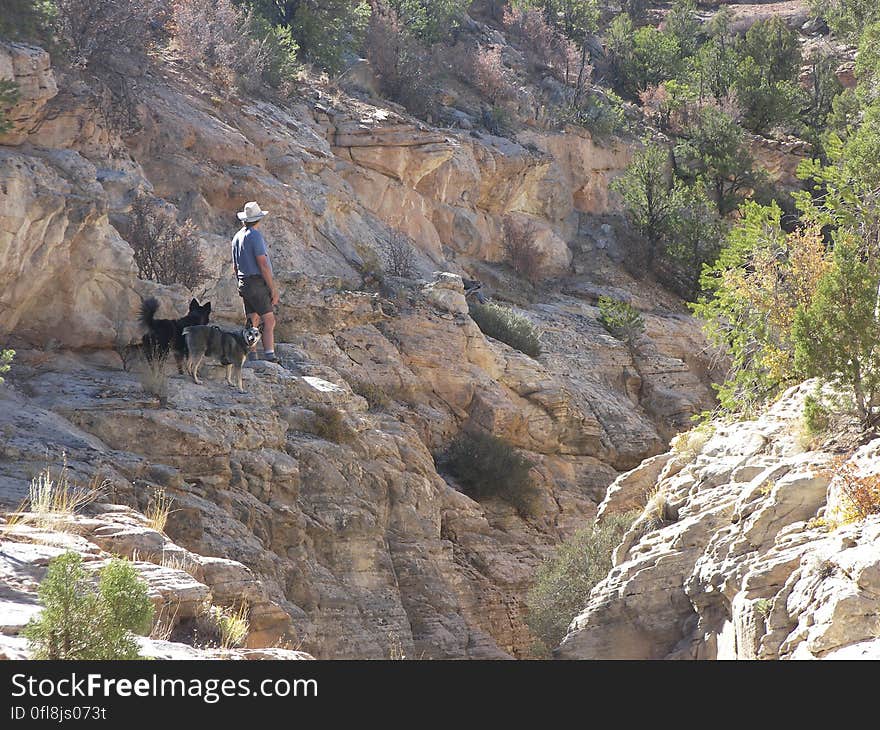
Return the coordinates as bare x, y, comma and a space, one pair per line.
207, 308
194, 304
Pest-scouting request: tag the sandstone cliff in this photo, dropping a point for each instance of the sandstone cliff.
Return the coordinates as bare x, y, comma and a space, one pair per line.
748, 557
182, 585
361, 547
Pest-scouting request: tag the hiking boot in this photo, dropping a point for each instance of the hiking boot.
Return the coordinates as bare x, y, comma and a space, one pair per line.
271, 358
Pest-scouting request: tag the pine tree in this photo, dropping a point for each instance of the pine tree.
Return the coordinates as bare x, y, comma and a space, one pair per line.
81, 622
836, 336
649, 197
715, 151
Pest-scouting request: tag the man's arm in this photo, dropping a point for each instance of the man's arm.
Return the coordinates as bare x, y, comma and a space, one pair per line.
266, 271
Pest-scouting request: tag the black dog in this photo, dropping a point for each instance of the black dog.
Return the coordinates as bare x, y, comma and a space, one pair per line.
165, 335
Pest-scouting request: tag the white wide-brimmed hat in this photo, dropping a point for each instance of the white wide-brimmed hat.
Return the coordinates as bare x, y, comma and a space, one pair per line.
251, 213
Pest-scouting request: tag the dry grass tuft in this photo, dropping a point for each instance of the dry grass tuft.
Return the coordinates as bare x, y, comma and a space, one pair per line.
52, 499
153, 377
656, 512
166, 622
330, 425
690, 444
158, 511
233, 625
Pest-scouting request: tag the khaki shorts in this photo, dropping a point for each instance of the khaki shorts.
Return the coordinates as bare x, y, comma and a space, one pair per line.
256, 295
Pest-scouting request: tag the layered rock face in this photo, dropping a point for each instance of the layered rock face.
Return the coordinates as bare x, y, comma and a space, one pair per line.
351, 532
335, 177
358, 539
182, 585
744, 561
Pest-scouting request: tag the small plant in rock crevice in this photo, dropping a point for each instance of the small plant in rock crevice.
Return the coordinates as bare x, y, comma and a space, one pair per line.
563, 583
690, 444
152, 376
330, 424
656, 512
763, 607
522, 249
859, 493
505, 325
817, 417
399, 255
53, 499
233, 625
376, 396
5, 362
487, 466
158, 511
622, 321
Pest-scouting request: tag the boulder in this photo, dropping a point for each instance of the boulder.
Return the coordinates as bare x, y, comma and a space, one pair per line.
28, 67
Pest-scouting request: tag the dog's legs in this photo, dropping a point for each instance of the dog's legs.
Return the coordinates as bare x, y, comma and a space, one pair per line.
229, 374
240, 383
178, 358
195, 369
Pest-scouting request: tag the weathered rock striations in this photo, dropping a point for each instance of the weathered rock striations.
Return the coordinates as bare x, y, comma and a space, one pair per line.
358, 548
182, 585
743, 566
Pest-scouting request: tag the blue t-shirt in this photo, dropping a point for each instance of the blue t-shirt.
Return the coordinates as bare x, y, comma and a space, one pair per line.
247, 244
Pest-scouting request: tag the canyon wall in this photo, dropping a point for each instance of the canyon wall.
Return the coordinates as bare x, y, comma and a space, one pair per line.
751, 556
360, 546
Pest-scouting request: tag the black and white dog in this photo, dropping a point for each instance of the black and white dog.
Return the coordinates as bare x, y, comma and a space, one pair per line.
229, 345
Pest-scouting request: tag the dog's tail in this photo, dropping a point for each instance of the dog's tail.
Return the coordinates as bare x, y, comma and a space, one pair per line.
149, 307
185, 331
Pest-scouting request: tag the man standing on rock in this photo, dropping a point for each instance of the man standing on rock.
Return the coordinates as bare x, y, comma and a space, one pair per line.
256, 284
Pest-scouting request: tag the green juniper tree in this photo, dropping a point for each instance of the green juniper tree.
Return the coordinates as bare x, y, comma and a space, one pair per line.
714, 150
766, 85
846, 18
326, 31
80, 621
823, 90
683, 24
837, 336
650, 197
430, 20
620, 45
487, 466
694, 240
775, 48
622, 320
714, 65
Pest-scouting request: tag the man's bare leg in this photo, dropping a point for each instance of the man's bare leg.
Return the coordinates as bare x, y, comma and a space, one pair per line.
268, 332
